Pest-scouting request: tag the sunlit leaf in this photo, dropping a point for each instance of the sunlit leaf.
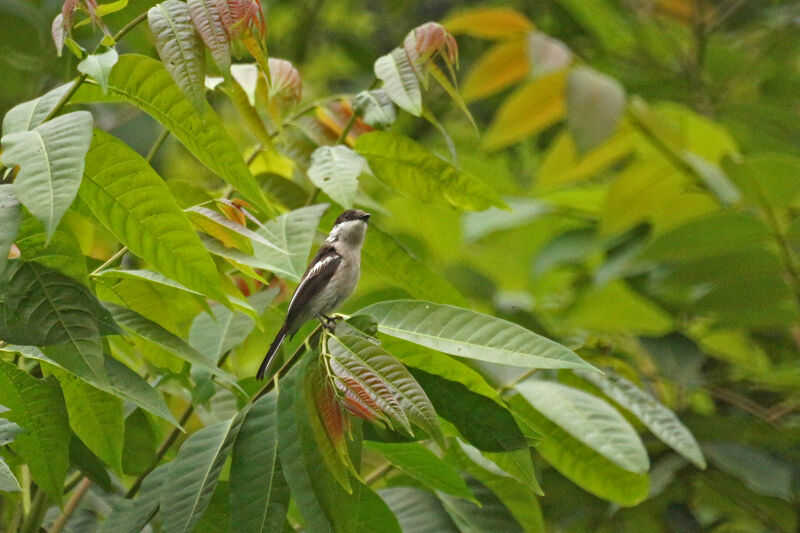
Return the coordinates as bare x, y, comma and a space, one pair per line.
589, 420
180, 48
62, 253
133, 202
375, 108
28, 115
533, 107
193, 475
145, 83
418, 173
489, 22
500, 67
98, 66
38, 407
335, 170
50, 158
470, 334
658, 419
400, 81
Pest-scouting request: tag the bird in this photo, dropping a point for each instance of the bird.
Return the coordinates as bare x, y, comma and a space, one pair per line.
329, 280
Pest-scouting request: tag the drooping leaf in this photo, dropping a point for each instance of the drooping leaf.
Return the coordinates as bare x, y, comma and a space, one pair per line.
418, 173
418, 511
82, 458
152, 332
38, 407
133, 202
45, 308
131, 516
193, 474
28, 115
259, 493
139, 445
95, 416
595, 103
50, 157
62, 252
470, 334
8, 482
335, 170
376, 368
375, 108
500, 67
531, 108
483, 422
205, 15
490, 515
400, 81
589, 420
180, 48
10, 218
580, 463
145, 83
292, 235
98, 66
661, 421
423, 465
389, 260
489, 23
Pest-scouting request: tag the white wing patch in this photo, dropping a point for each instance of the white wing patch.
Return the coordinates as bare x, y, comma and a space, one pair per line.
311, 273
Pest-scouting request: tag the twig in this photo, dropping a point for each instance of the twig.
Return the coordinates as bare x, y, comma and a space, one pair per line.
72, 504
162, 451
110, 260
156, 145
34, 518
377, 473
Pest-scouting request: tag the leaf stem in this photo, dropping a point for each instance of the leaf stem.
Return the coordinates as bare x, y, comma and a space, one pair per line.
72, 504
34, 518
162, 451
119, 253
157, 144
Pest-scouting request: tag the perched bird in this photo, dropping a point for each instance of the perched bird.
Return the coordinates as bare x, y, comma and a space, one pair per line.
329, 279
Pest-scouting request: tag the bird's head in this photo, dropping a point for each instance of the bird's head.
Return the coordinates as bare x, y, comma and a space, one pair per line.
350, 227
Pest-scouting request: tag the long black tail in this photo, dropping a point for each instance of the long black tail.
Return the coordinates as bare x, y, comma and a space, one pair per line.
272, 349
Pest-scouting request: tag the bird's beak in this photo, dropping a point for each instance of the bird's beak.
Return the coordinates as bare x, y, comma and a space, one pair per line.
365, 217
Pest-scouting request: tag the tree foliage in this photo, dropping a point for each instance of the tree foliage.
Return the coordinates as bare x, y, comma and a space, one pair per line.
580, 301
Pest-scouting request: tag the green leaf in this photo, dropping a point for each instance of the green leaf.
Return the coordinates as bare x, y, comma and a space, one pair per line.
378, 370
82, 458
150, 331
335, 170
230, 233
470, 334
292, 235
499, 67
8, 482
418, 511
259, 493
755, 468
530, 109
413, 170
180, 48
375, 108
400, 81
489, 515
217, 517
193, 474
206, 19
661, 421
146, 275
476, 226
301, 462
45, 308
517, 496
98, 67
770, 179
131, 516
219, 332
38, 407
145, 83
140, 443
483, 422
595, 103
28, 115
451, 90
589, 420
95, 416
10, 218
580, 463
62, 253
50, 158
133, 202
422, 464
389, 260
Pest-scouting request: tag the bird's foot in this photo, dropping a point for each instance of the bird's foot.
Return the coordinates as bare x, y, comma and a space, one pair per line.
329, 322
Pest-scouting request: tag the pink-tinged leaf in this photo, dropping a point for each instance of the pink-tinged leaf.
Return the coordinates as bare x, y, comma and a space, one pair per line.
287, 86
428, 41
595, 103
372, 390
206, 18
238, 16
329, 411
547, 54
57, 31
180, 48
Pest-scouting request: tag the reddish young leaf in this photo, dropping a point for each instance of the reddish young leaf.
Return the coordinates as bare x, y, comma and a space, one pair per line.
206, 18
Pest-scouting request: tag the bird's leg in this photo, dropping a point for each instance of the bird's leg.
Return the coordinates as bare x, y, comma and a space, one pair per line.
328, 322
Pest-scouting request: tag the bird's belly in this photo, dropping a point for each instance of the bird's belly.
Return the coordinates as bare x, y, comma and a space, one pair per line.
339, 288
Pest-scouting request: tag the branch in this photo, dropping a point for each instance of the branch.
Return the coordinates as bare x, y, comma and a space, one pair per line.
72, 504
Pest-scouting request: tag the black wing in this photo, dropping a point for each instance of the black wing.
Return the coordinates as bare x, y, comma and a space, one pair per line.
317, 275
